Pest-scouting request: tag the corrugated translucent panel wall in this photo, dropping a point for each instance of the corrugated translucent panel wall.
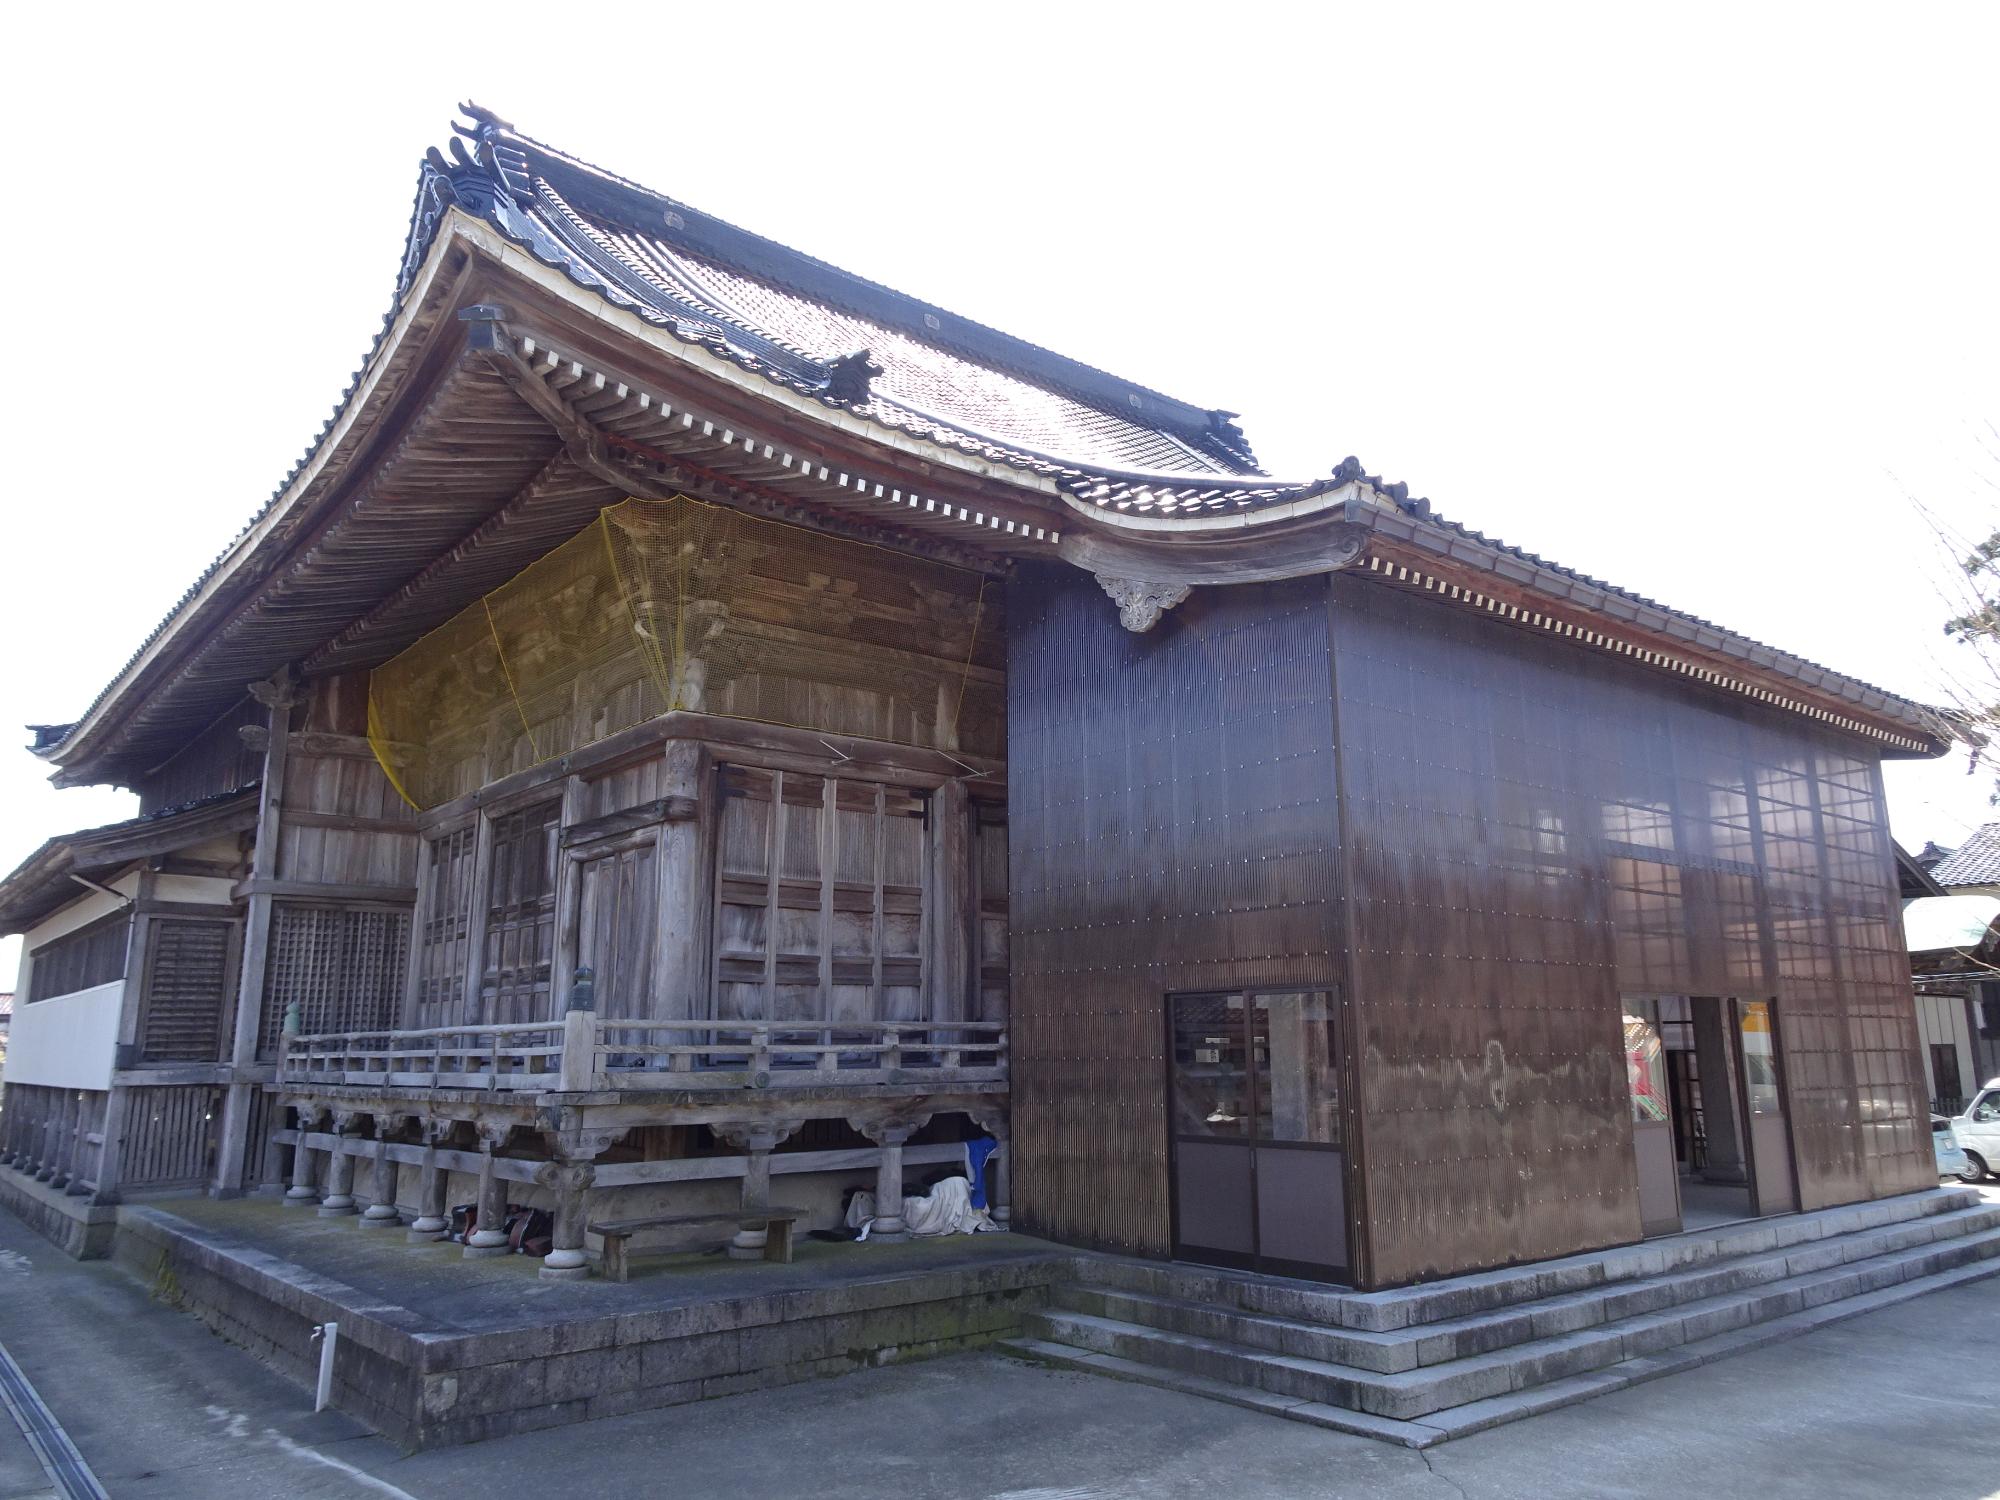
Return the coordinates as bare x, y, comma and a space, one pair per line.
1171, 827
1532, 830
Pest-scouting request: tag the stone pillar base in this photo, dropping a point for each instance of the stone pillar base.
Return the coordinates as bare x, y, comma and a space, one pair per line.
565, 1265
332, 1210
428, 1227
300, 1198
385, 1220
894, 1236
476, 1252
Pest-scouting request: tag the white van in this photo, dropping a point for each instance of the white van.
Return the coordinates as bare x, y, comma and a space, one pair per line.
1978, 1132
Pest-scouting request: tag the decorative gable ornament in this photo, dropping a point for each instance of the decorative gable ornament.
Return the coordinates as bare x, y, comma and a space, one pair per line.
1140, 604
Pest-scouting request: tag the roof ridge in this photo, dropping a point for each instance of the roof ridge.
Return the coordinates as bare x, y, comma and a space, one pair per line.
1214, 423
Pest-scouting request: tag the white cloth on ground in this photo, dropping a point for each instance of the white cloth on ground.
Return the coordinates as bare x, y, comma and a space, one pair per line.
946, 1209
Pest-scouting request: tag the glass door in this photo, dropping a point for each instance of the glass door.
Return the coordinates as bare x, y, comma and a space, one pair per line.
1653, 1147
1214, 1188
1757, 1059
1258, 1164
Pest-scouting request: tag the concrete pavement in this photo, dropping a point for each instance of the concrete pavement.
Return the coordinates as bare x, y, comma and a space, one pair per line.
1899, 1403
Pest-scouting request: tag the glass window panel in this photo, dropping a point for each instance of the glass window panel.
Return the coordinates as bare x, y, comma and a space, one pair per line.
1645, 1061
1211, 1067
1298, 1082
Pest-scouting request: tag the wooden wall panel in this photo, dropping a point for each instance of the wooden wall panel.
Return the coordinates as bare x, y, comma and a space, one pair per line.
216, 760
90, 955
1170, 827
344, 823
344, 966
170, 1136
1532, 830
190, 977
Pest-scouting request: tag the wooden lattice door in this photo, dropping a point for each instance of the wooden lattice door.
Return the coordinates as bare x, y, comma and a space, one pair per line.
519, 954
819, 898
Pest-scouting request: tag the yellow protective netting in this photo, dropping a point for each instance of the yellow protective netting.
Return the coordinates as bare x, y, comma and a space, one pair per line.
675, 604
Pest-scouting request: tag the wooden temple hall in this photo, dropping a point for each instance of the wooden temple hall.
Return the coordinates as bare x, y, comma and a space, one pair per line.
699, 733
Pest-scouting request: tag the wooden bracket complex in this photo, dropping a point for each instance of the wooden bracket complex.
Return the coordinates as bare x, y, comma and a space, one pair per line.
1140, 604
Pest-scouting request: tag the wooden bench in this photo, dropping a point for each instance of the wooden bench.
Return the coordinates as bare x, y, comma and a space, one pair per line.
775, 1222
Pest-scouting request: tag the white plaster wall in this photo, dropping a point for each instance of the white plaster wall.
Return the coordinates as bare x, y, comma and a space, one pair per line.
68, 1042
79, 913
1941, 1019
196, 888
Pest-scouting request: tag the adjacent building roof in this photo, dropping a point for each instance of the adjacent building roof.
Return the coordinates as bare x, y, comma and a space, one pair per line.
1975, 862
1932, 854
42, 883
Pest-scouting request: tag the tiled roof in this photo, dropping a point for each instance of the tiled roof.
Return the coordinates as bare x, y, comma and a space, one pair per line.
854, 345
928, 371
1975, 862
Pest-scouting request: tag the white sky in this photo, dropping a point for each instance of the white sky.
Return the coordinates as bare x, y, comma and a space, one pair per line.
1690, 298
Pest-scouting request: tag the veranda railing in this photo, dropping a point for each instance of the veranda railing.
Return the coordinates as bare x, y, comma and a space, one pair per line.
586, 1052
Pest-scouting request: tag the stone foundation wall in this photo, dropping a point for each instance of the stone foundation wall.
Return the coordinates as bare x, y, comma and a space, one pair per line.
425, 1387
72, 1225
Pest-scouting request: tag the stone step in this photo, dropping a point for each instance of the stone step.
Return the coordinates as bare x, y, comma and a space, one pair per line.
1515, 1405
1464, 1296
1415, 1393
1477, 1416
1438, 1343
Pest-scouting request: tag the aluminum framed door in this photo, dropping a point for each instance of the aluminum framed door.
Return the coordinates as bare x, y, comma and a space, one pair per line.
1258, 1159
1654, 1160
1761, 1092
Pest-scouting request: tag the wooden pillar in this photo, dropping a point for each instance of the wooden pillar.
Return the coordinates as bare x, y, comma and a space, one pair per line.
86, 1158
339, 1198
680, 965
570, 1181
999, 1200
891, 1135
277, 695
489, 1234
889, 1225
948, 913
62, 1160
47, 1140
432, 1221
302, 1192
758, 1139
381, 1212
18, 1115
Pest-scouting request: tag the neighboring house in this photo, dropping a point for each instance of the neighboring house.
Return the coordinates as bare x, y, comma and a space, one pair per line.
1972, 866
1928, 857
1954, 940
1953, 917
128, 976
6, 1022
695, 715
